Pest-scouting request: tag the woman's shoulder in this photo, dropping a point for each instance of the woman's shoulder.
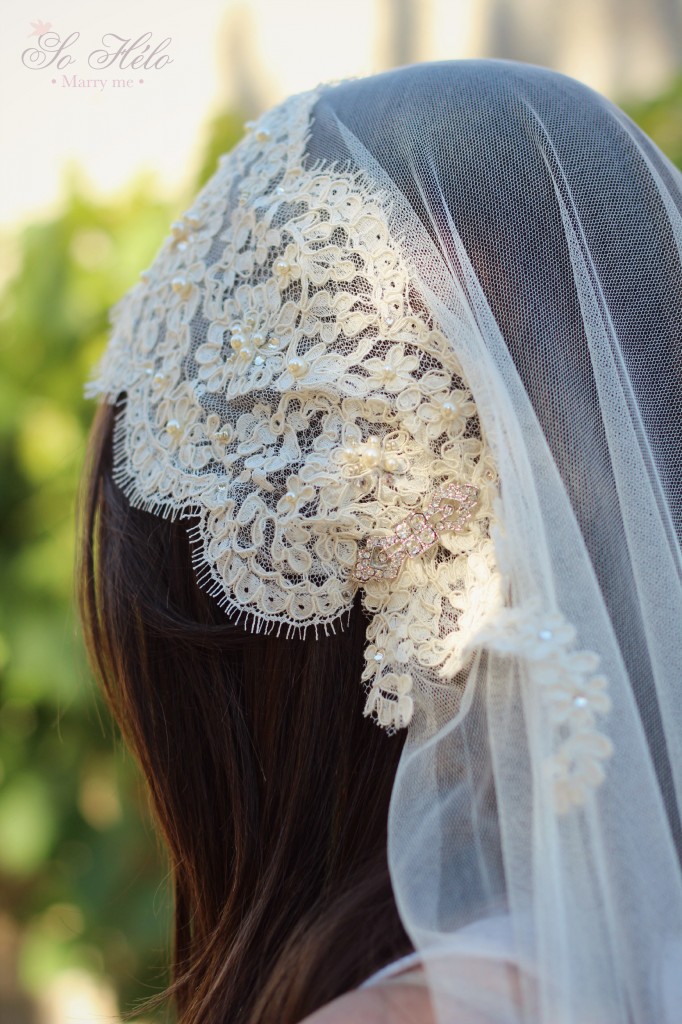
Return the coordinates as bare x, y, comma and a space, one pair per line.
394, 1002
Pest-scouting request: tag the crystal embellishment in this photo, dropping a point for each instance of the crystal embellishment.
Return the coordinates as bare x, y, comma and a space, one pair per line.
447, 511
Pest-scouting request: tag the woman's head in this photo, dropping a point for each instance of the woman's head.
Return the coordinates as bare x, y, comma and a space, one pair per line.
457, 279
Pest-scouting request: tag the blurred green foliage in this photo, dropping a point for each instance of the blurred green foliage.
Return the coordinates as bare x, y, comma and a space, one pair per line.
81, 875
80, 872
661, 119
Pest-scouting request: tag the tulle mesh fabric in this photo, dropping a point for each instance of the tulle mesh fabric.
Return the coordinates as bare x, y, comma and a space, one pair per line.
500, 306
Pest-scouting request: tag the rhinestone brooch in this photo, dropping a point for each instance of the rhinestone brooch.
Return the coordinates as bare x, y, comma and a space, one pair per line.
447, 511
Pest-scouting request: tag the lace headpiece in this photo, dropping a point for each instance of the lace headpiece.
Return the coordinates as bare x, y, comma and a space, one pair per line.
283, 381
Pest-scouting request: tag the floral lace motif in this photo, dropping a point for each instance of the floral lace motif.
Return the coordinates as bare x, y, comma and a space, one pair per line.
286, 385
572, 697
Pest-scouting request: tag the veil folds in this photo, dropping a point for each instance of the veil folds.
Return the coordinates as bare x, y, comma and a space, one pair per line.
532, 235
543, 229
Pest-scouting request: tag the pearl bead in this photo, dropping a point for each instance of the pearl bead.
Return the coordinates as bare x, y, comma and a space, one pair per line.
262, 135
391, 463
259, 360
279, 190
545, 634
173, 427
297, 367
390, 321
181, 286
379, 656
450, 406
257, 339
223, 436
580, 702
159, 378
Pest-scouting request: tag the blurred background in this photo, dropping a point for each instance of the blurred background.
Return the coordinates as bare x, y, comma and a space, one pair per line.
98, 157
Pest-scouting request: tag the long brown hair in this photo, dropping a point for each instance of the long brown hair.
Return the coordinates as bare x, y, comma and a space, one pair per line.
269, 788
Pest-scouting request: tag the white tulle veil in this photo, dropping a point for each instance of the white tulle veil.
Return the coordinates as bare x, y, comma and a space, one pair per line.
462, 275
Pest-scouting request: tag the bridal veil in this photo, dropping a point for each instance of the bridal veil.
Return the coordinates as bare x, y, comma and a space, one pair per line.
421, 336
